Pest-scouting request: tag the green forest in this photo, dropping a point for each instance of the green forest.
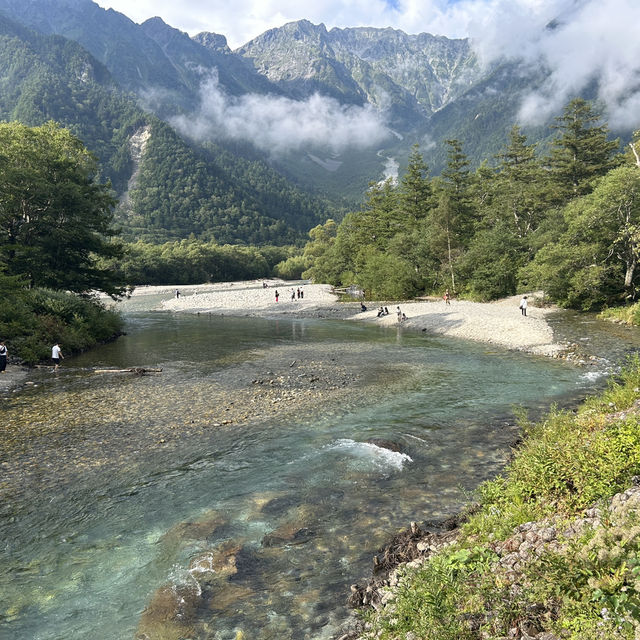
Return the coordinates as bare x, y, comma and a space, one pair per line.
213, 194
565, 222
55, 225
182, 187
195, 262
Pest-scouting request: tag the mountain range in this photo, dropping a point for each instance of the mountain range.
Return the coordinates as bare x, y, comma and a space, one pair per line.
255, 144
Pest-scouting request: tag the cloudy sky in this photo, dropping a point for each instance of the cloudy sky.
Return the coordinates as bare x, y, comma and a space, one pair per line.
242, 20
592, 39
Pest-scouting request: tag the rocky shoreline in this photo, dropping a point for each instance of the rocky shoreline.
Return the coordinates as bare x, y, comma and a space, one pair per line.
411, 548
498, 323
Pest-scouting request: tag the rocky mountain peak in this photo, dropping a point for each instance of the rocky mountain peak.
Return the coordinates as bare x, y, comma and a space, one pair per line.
212, 41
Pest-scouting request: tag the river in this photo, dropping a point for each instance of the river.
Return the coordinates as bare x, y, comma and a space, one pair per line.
119, 491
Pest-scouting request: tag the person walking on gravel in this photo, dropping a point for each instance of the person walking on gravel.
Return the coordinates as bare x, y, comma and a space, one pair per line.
3, 357
523, 306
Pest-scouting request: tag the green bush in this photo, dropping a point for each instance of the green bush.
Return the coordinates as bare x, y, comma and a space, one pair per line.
585, 588
32, 320
291, 268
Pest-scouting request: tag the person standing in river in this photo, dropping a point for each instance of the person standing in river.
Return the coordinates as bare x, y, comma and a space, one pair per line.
3, 357
56, 356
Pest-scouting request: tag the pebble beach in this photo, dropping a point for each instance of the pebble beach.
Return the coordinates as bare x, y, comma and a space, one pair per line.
499, 323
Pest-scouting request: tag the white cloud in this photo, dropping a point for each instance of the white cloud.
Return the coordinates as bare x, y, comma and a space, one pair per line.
278, 125
593, 39
590, 41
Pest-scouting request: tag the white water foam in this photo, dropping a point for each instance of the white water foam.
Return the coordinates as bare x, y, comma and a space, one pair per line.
379, 457
592, 376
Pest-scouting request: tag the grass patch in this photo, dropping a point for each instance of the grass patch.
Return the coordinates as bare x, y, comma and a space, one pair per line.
624, 315
586, 585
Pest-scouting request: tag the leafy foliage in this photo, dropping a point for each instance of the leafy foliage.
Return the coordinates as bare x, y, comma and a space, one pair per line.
581, 586
194, 262
34, 319
567, 224
54, 217
183, 189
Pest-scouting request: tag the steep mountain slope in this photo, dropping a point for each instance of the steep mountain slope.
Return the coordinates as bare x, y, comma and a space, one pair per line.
162, 65
410, 76
51, 78
428, 88
425, 89
172, 187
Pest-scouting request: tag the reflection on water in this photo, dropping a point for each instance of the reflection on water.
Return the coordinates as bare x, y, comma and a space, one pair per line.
125, 510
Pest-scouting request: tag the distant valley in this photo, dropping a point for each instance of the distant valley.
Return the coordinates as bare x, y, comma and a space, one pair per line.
258, 144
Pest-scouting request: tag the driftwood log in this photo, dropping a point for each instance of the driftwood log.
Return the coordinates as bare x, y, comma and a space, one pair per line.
138, 371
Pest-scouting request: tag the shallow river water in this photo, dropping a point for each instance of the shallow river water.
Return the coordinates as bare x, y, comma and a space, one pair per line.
119, 496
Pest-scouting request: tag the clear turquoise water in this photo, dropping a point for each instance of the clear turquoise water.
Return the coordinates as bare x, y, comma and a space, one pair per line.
86, 545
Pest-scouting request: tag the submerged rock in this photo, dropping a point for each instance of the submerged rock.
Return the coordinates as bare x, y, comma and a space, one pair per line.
213, 565
287, 534
386, 444
170, 614
200, 529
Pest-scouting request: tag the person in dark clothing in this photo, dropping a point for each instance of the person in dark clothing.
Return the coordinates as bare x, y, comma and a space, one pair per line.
3, 357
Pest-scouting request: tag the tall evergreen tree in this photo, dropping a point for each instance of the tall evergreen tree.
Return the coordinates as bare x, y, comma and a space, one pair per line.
55, 218
521, 190
582, 150
415, 195
452, 222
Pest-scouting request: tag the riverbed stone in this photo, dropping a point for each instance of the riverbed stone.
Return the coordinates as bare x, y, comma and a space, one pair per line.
227, 596
170, 614
185, 533
289, 533
213, 565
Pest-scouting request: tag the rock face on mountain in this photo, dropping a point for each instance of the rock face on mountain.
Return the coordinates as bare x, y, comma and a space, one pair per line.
422, 88
407, 77
412, 76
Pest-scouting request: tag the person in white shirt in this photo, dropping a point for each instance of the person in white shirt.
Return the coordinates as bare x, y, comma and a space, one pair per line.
3, 357
56, 356
523, 305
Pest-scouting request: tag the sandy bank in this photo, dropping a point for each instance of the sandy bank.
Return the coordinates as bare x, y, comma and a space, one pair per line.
499, 323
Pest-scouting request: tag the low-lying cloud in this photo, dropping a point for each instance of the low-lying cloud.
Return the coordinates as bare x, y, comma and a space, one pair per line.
277, 124
580, 43
591, 42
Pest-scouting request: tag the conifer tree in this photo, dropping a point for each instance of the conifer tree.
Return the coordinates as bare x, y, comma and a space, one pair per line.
452, 222
521, 188
582, 151
415, 192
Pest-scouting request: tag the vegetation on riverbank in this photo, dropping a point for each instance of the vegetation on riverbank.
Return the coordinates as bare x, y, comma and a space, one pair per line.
55, 228
31, 320
192, 261
565, 222
548, 550
624, 315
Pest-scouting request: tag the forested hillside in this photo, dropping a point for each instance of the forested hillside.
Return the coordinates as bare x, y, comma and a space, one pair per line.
210, 193
565, 222
178, 188
55, 226
419, 87
51, 78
